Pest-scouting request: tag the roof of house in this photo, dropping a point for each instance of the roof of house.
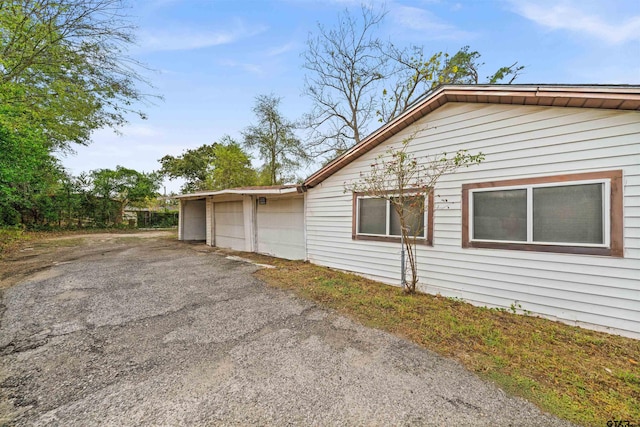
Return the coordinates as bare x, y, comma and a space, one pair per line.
254, 190
620, 97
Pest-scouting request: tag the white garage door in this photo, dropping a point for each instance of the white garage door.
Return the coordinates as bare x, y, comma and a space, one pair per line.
229, 225
280, 226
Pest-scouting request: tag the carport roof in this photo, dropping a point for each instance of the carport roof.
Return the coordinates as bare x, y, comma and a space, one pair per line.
255, 190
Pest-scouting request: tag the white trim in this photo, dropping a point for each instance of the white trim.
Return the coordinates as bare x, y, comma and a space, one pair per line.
203, 194
529, 196
388, 217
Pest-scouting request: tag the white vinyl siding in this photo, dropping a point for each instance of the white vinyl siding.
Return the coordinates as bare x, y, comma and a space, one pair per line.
518, 142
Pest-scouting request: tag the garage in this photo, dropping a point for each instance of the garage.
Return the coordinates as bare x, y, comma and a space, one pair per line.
280, 227
229, 225
268, 220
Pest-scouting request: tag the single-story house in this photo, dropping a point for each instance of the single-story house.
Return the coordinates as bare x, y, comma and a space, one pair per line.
549, 222
267, 220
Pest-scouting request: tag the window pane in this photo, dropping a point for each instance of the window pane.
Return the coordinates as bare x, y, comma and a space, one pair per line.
373, 214
568, 214
500, 215
414, 214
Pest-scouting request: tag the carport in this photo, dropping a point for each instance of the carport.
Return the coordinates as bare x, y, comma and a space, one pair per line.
192, 223
267, 220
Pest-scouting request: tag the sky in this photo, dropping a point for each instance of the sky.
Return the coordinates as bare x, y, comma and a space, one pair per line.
209, 59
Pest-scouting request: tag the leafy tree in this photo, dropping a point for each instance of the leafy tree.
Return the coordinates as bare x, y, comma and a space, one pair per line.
64, 68
124, 186
215, 166
345, 67
273, 137
353, 76
231, 167
194, 165
28, 174
415, 74
64, 73
406, 180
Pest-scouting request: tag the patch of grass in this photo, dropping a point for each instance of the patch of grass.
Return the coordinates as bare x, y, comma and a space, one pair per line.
15, 238
12, 238
59, 243
9, 238
584, 376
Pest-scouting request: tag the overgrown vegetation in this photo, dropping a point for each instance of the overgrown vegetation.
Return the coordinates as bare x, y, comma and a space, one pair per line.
583, 376
64, 73
94, 200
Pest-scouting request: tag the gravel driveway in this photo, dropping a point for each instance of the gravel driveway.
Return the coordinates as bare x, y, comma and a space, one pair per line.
149, 331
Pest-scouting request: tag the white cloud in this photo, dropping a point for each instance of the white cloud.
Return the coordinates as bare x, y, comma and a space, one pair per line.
279, 50
189, 39
427, 23
576, 17
251, 68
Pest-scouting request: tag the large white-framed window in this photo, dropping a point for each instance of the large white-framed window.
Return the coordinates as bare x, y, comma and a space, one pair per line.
579, 213
375, 218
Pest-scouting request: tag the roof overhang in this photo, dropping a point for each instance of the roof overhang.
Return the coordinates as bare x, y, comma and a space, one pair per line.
242, 192
623, 97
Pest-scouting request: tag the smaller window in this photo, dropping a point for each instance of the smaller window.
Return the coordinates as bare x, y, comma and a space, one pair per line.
377, 218
415, 210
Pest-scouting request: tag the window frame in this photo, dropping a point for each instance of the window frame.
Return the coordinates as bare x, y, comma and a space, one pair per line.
427, 239
612, 211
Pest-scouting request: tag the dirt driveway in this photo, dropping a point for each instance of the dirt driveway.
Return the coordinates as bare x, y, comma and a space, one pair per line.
145, 330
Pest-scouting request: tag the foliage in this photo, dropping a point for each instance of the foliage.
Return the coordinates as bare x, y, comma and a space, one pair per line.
193, 165
273, 137
37, 194
28, 175
354, 76
150, 219
231, 167
584, 376
215, 166
124, 186
64, 68
64, 73
415, 74
405, 180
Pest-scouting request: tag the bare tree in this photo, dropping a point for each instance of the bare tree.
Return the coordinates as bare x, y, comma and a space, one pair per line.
406, 181
353, 77
345, 65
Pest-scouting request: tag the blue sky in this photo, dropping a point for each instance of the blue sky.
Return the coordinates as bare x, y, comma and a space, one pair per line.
212, 58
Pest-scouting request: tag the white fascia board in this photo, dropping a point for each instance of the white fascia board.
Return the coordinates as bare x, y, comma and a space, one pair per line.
273, 191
